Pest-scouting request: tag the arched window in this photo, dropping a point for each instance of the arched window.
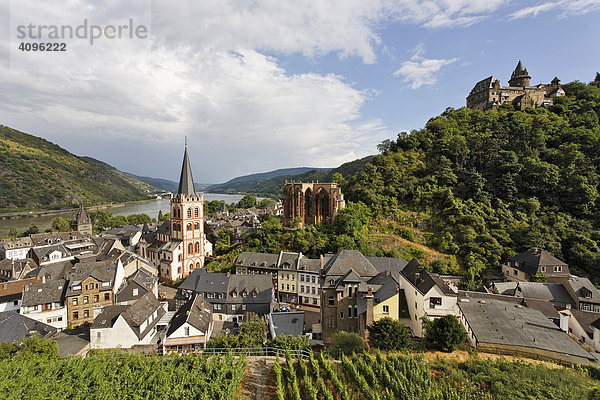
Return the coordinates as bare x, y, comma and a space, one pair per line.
191, 266
189, 212
189, 227
190, 248
196, 225
179, 258
197, 265
179, 270
196, 212
197, 247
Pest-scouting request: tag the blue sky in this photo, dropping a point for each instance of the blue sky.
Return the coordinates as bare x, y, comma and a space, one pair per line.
271, 84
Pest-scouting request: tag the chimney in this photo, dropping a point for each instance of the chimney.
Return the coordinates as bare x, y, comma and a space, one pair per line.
43, 278
321, 258
369, 319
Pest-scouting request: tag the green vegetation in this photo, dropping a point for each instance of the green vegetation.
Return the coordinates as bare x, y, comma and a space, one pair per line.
252, 333
102, 220
33, 370
272, 186
388, 334
347, 343
410, 377
39, 174
287, 342
490, 184
444, 333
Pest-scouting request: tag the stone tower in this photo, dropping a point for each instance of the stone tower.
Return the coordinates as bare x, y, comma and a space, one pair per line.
187, 219
519, 77
81, 222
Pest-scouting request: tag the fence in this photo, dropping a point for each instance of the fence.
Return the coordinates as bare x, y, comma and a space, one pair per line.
254, 352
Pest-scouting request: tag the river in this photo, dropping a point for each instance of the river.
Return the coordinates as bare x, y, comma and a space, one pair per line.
151, 208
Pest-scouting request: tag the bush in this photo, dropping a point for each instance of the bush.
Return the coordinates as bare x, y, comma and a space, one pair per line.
288, 342
444, 333
388, 334
347, 343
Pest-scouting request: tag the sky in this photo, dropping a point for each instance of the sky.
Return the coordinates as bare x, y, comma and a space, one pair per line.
259, 85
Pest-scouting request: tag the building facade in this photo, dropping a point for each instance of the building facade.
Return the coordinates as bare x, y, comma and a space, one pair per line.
313, 203
488, 94
82, 223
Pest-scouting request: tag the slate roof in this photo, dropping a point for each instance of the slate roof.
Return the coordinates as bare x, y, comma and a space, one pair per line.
44, 293
14, 327
108, 316
200, 281
580, 286
505, 323
543, 306
309, 265
13, 290
18, 266
423, 280
586, 319
383, 287
17, 243
186, 181
519, 71
42, 239
345, 260
288, 323
43, 253
483, 84
506, 288
103, 271
81, 217
143, 278
164, 228
251, 259
530, 260
195, 312
553, 292
57, 270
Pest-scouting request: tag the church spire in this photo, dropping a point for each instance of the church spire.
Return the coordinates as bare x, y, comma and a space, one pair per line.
186, 182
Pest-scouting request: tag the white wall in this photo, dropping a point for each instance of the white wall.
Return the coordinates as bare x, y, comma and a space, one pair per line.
52, 315
120, 335
10, 306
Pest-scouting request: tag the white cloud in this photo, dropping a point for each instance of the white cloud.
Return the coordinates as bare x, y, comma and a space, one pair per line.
567, 8
206, 74
420, 71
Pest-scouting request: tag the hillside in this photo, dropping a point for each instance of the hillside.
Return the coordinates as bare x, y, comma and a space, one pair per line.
166, 184
498, 182
35, 173
269, 185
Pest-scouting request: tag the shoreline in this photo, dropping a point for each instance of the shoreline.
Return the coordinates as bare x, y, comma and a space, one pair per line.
43, 213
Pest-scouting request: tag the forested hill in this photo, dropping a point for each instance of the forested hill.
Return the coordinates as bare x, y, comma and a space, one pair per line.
497, 182
35, 173
272, 186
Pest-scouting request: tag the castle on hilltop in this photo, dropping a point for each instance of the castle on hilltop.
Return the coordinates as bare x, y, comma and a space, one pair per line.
489, 95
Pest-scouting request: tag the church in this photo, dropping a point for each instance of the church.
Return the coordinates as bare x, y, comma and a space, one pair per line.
180, 245
488, 94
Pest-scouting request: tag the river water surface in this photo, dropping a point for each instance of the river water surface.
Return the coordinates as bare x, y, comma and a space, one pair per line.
151, 208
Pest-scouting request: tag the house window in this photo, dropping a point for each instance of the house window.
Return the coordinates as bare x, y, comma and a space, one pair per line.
356, 312
313, 279
91, 286
76, 315
98, 334
349, 311
287, 287
86, 299
330, 301
435, 301
233, 307
515, 272
96, 298
75, 302
342, 315
106, 296
596, 308
349, 290
293, 277
135, 291
586, 307
186, 331
557, 268
543, 268
243, 307
301, 278
314, 301
282, 287
386, 309
287, 276
86, 313
331, 322
301, 288
293, 288
313, 290
16, 303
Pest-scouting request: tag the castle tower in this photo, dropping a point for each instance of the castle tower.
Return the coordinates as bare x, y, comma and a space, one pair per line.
81, 223
519, 77
187, 220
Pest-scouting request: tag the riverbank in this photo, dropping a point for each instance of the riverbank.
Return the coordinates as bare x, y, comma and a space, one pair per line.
42, 213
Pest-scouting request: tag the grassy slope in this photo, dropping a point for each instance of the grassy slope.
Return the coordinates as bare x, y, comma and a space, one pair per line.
35, 173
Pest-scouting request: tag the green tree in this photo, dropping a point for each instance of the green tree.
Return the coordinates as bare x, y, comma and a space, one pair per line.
290, 342
347, 343
60, 224
248, 201
444, 333
12, 233
33, 229
388, 334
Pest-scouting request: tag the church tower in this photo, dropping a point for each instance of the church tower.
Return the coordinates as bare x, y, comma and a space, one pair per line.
81, 223
187, 220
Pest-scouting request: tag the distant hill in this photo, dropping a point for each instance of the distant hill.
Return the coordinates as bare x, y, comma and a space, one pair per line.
166, 184
270, 184
35, 173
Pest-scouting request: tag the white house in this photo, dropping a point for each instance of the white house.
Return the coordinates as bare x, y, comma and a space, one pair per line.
426, 295
583, 325
190, 327
126, 326
16, 248
45, 302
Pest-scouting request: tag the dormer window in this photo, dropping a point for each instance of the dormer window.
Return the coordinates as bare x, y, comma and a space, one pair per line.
234, 294
254, 293
244, 294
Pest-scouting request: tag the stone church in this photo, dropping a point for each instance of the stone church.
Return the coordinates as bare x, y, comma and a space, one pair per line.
488, 94
314, 203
